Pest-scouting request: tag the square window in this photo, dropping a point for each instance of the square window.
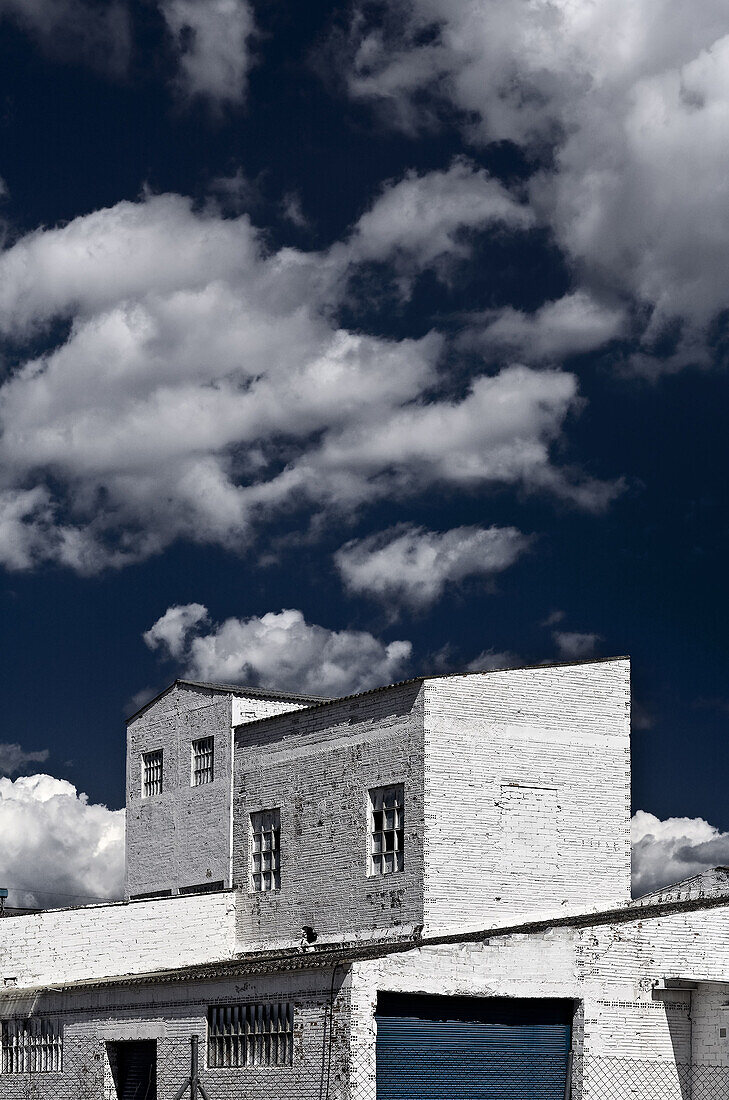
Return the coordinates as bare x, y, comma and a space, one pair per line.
202, 761
264, 851
34, 1045
250, 1035
151, 773
386, 832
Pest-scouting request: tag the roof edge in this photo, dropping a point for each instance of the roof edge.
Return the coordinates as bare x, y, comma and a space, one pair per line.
351, 951
228, 689
443, 676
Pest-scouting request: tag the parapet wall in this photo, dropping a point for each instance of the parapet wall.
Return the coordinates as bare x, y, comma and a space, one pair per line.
69, 945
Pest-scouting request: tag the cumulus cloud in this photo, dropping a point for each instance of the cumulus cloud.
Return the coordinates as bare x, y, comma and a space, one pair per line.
278, 650
571, 325
205, 386
499, 433
213, 40
58, 849
412, 566
97, 34
574, 644
172, 631
426, 218
677, 848
629, 97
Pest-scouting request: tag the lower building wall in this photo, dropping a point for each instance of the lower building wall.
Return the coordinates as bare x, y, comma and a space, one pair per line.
650, 1019
650, 1014
171, 1015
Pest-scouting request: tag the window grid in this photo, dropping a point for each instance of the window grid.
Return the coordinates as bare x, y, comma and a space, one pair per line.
202, 761
152, 773
32, 1046
265, 851
250, 1035
387, 830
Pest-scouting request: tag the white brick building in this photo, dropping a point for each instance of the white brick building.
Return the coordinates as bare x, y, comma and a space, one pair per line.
418, 891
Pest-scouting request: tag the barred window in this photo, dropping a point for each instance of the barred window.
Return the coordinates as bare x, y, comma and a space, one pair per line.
151, 773
202, 761
265, 851
250, 1035
32, 1046
386, 830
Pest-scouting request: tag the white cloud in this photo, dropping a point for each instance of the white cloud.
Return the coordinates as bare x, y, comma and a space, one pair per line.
412, 566
574, 645
423, 220
14, 758
278, 650
571, 325
631, 97
294, 212
490, 660
58, 849
204, 385
213, 39
119, 255
677, 848
499, 432
172, 631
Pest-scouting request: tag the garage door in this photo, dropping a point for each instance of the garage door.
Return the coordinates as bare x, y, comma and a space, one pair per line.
464, 1048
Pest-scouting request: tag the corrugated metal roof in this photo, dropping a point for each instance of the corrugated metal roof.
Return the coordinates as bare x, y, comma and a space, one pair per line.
333, 954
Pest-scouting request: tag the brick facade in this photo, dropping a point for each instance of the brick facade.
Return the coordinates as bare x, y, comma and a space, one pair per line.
527, 790
318, 767
515, 885
182, 837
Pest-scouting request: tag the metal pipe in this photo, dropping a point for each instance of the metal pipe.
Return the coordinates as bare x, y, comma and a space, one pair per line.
193, 1067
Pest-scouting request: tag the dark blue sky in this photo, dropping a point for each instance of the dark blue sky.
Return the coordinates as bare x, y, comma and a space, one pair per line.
647, 573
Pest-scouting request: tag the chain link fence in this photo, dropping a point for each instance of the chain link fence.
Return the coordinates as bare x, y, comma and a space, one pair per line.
638, 1079
94, 1070
89, 1073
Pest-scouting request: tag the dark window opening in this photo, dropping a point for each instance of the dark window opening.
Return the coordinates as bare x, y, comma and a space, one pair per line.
203, 888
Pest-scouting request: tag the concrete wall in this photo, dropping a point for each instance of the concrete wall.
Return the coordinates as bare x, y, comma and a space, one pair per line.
67, 945
182, 837
318, 768
527, 793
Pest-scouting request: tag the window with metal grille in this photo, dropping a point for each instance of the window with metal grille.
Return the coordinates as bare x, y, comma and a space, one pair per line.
202, 761
32, 1046
250, 1035
265, 851
386, 830
151, 773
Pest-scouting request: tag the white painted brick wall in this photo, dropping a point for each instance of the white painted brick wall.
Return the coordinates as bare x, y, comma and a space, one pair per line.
67, 945
318, 767
527, 791
183, 836
611, 970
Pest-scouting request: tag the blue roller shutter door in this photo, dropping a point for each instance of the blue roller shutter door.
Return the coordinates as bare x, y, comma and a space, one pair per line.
506, 1053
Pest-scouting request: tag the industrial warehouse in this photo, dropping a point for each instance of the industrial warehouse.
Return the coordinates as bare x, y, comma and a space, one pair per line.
420, 891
